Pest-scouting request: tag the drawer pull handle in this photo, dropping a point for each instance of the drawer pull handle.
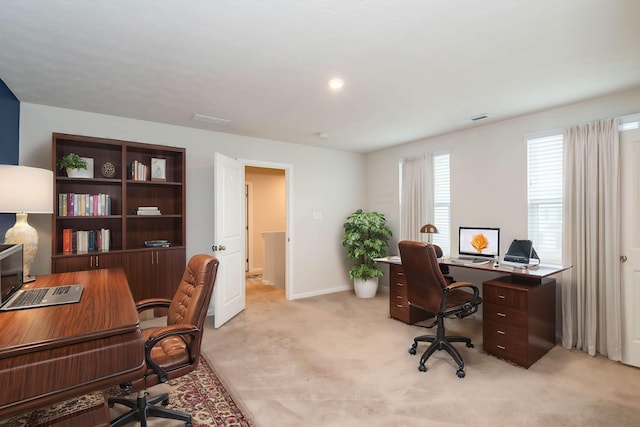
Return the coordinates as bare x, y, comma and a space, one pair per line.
399, 305
501, 332
398, 296
400, 274
501, 347
501, 314
501, 296
400, 284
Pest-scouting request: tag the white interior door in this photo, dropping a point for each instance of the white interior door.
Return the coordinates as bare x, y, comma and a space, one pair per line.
228, 231
630, 176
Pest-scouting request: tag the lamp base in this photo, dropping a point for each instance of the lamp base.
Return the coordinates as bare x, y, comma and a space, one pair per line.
23, 233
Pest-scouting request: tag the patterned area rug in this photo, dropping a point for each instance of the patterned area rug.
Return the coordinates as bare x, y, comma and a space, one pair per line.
201, 394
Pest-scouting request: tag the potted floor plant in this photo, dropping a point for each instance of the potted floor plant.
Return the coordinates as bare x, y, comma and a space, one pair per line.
366, 236
75, 165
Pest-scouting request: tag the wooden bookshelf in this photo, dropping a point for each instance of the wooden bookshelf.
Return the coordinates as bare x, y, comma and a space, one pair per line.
151, 271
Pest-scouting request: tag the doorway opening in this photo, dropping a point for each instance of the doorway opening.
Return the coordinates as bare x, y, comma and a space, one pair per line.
265, 232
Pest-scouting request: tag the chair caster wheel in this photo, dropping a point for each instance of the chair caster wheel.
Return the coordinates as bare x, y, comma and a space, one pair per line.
422, 368
165, 402
469, 345
460, 373
188, 425
412, 351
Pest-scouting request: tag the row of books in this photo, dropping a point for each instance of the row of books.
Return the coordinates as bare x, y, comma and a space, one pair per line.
74, 204
81, 241
157, 243
139, 171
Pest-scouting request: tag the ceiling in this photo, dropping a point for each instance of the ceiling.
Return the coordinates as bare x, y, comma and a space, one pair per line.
412, 68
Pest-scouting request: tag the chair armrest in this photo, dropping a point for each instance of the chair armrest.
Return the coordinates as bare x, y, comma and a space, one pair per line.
149, 303
161, 333
467, 308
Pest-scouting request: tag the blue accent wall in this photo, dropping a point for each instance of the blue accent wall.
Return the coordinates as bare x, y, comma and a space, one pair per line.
9, 141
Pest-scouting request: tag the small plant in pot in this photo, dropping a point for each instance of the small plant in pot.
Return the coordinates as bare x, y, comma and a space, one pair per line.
366, 237
72, 163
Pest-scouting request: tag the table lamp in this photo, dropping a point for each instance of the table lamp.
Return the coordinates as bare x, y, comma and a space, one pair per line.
429, 229
25, 190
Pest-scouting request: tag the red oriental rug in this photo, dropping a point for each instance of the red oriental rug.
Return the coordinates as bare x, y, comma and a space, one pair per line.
200, 393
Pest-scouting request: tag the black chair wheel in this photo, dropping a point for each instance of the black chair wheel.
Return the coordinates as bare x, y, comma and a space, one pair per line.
469, 345
460, 373
165, 402
188, 425
422, 368
412, 350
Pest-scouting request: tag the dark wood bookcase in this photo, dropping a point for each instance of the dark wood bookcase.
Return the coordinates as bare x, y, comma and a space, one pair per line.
151, 271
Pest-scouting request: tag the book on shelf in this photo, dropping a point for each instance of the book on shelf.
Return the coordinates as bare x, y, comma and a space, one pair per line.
148, 210
157, 243
74, 204
83, 241
138, 171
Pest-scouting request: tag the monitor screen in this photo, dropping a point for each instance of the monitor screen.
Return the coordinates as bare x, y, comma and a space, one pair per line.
10, 270
479, 241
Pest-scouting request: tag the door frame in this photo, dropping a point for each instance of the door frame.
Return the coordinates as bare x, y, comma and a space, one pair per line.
289, 240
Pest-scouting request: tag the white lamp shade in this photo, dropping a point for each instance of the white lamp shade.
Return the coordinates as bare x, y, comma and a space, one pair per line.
26, 189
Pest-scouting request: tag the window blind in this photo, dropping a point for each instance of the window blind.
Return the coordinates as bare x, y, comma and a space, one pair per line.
441, 202
545, 183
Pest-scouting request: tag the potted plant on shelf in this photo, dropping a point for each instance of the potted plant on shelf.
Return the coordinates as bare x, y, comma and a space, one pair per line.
74, 165
366, 237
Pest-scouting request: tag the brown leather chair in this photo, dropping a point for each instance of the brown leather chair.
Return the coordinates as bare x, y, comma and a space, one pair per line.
428, 290
172, 350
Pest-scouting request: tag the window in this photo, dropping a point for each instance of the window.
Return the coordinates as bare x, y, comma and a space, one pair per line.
545, 183
424, 198
441, 202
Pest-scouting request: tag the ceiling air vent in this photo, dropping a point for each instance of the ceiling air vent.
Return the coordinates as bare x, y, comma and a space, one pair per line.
209, 119
479, 117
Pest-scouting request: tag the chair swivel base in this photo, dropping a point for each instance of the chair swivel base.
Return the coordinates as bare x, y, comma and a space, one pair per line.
441, 342
143, 407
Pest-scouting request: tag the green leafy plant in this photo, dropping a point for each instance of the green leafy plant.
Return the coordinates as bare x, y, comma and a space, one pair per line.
72, 161
366, 237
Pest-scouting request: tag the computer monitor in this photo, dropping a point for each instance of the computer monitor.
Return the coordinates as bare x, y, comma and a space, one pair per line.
10, 270
479, 242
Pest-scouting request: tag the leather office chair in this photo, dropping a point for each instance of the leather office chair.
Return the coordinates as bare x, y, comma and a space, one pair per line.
172, 350
428, 290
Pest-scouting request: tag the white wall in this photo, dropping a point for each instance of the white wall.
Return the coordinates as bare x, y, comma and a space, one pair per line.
327, 181
488, 169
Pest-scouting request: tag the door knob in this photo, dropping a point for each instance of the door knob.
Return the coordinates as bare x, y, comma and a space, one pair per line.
216, 248
623, 258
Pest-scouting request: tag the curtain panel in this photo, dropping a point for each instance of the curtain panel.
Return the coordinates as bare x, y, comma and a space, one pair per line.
591, 290
416, 201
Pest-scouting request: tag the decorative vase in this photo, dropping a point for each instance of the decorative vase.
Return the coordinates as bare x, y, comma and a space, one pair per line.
365, 288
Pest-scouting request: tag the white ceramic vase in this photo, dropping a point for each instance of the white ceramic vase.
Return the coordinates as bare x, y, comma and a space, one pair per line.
365, 288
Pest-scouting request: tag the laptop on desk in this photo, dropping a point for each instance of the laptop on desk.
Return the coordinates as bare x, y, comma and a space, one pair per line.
13, 297
521, 255
43, 297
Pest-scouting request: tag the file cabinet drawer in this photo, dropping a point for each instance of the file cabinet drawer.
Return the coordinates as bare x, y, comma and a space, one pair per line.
507, 297
505, 315
504, 332
507, 349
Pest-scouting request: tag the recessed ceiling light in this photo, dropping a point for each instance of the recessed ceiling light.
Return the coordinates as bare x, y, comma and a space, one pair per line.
336, 83
209, 119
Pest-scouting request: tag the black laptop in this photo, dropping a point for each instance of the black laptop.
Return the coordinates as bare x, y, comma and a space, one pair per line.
521, 254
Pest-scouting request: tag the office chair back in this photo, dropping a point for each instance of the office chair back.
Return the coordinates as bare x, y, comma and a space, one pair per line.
422, 271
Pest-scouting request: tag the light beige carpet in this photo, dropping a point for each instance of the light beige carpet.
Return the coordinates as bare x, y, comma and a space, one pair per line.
337, 360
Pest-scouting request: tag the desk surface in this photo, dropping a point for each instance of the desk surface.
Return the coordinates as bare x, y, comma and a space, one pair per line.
538, 272
50, 354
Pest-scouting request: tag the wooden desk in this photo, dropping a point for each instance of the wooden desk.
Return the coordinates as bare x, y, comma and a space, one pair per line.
519, 309
50, 354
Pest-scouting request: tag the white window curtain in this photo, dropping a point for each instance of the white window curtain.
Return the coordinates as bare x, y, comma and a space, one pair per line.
417, 195
591, 290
